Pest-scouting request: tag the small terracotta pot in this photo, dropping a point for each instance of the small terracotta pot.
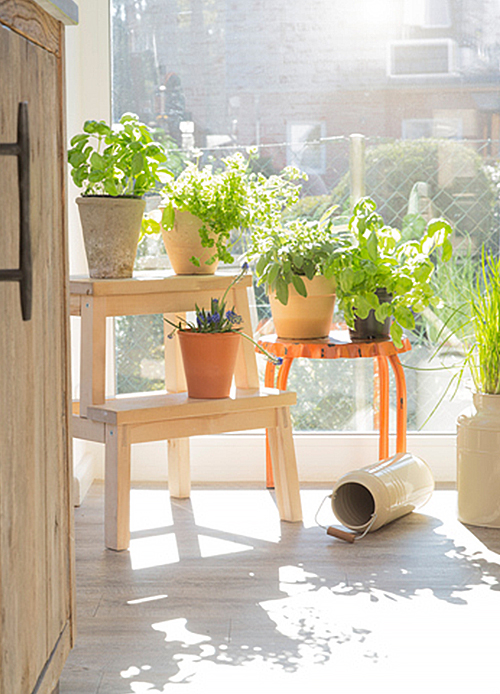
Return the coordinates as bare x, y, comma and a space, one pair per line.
182, 242
370, 328
111, 228
307, 317
209, 360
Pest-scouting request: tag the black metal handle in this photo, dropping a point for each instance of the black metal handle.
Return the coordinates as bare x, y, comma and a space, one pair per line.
21, 150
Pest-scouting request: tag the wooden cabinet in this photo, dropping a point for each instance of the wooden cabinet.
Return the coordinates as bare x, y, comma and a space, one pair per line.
36, 555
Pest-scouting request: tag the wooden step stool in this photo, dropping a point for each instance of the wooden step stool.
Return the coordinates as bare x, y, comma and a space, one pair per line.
139, 418
121, 422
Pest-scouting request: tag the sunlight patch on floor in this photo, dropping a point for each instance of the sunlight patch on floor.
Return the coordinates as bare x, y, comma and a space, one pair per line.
150, 509
158, 550
246, 512
176, 630
214, 547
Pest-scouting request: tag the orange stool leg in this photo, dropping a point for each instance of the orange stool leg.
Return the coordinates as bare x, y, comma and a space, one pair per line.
269, 375
401, 404
283, 372
383, 374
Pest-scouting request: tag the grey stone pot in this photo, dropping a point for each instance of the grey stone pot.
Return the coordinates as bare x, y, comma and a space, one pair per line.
111, 228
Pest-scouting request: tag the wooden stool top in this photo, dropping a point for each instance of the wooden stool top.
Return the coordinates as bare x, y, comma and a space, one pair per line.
171, 406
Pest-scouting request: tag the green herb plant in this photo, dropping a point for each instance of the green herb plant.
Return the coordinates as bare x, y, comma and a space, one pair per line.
377, 258
228, 200
121, 160
286, 253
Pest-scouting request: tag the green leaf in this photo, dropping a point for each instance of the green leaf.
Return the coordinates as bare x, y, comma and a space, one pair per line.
97, 161
79, 139
372, 246
383, 311
110, 187
422, 272
346, 279
168, 217
76, 158
273, 273
447, 250
96, 176
372, 300
396, 334
299, 285
363, 308
405, 317
403, 285
281, 290
138, 164
261, 265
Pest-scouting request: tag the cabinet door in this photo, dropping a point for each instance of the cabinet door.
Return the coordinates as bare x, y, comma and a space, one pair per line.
36, 561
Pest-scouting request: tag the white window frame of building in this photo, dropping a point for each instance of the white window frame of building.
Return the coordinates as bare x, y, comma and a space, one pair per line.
322, 457
451, 50
447, 128
297, 136
427, 14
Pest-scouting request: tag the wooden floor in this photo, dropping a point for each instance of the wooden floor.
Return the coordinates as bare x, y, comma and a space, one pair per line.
216, 595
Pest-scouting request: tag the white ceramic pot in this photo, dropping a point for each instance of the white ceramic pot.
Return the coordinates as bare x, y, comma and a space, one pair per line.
380, 493
183, 242
307, 317
478, 463
111, 228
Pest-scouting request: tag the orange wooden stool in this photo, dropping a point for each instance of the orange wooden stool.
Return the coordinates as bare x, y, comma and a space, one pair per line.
338, 345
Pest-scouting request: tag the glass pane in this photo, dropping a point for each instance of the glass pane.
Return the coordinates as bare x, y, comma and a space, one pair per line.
418, 79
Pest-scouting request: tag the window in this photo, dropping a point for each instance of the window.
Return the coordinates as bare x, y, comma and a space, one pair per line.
415, 128
429, 14
295, 82
306, 149
421, 57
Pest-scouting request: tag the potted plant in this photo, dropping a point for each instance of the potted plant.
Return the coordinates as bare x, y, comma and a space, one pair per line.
209, 346
478, 471
204, 206
382, 279
294, 262
114, 166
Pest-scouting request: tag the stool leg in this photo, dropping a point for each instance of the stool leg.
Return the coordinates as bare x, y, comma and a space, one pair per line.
285, 467
401, 403
117, 488
269, 375
179, 476
269, 383
383, 373
283, 372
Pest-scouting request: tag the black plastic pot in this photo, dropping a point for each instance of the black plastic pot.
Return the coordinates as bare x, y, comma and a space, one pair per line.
369, 328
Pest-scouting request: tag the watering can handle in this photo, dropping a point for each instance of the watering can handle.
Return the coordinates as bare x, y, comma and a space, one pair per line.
341, 534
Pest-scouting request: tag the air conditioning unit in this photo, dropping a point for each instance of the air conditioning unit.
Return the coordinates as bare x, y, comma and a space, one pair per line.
422, 58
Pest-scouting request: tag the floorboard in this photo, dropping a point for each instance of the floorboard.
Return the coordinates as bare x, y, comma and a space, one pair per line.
216, 594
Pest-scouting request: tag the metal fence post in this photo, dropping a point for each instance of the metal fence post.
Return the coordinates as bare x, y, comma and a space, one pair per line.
357, 167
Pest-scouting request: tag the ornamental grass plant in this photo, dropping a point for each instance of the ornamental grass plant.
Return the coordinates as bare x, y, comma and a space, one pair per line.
483, 358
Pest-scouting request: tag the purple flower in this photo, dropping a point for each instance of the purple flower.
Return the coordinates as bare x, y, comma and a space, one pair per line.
233, 317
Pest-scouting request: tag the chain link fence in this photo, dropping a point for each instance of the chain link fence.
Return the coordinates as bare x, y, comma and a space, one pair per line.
409, 180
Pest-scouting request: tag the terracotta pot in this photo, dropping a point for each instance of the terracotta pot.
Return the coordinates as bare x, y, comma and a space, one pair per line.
182, 242
478, 466
305, 317
111, 228
209, 360
370, 328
